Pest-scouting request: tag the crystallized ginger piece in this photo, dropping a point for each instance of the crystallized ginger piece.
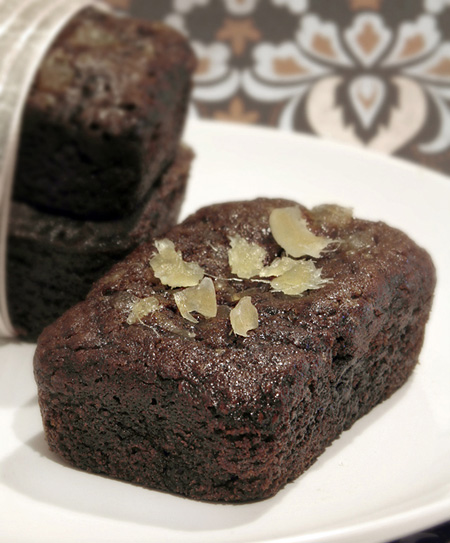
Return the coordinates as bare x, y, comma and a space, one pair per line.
244, 317
333, 215
200, 298
142, 308
302, 276
277, 267
168, 266
290, 231
246, 259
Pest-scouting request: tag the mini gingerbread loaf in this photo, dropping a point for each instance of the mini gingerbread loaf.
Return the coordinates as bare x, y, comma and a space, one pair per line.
53, 260
219, 361
104, 116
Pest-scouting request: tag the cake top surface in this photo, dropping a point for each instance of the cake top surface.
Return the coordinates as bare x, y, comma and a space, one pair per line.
138, 321
106, 70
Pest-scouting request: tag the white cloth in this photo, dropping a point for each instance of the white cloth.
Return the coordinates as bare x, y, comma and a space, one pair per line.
27, 29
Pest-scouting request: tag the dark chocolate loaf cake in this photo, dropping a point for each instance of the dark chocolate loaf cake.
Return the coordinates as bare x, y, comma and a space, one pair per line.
53, 260
104, 116
270, 330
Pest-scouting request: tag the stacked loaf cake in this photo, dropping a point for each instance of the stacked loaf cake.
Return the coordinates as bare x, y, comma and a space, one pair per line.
100, 165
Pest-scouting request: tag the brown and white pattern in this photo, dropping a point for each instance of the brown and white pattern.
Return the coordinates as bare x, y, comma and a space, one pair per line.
373, 73
364, 83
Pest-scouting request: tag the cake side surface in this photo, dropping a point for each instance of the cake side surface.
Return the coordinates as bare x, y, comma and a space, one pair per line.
54, 260
104, 116
195, 409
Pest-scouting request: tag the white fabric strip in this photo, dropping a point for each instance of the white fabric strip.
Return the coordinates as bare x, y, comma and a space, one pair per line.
27, 29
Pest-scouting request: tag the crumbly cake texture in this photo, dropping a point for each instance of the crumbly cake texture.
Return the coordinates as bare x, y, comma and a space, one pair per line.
193, 408
104, 116
53, 260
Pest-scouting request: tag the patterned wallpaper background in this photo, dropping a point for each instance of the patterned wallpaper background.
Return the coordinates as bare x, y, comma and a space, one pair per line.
372, 73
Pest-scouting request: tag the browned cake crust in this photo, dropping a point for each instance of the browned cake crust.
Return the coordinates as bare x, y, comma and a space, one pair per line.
53, 260
193, 408
104, 116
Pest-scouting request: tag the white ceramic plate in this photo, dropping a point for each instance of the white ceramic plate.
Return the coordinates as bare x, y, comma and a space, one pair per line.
388, 476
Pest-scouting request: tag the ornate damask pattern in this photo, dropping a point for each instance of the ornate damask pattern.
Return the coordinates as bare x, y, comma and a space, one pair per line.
373, 73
